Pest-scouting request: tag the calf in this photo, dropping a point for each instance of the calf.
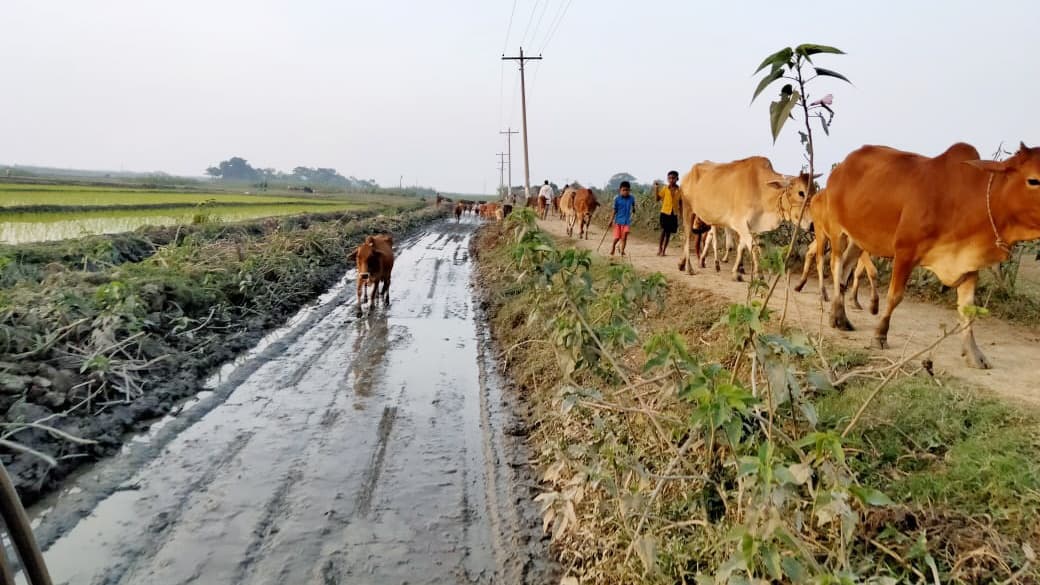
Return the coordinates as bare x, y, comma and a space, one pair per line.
375, 261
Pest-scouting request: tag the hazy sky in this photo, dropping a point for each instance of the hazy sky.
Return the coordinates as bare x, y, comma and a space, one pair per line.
417, 88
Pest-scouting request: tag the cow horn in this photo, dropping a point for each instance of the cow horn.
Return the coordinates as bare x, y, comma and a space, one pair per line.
1022, 146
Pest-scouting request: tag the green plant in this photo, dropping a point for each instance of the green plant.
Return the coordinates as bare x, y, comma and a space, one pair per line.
793, 64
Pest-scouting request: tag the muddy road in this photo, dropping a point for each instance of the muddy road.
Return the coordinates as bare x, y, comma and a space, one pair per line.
376, 449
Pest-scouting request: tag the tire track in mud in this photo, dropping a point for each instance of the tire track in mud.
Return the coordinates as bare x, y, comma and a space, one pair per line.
358, 450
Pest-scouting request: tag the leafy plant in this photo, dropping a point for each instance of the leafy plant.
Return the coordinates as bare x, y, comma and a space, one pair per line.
796, 66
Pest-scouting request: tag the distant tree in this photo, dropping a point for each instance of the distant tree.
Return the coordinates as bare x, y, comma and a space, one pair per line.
615, 182
234, 169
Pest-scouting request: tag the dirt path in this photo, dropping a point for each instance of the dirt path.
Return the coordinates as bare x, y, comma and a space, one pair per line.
353, 450
1013, 350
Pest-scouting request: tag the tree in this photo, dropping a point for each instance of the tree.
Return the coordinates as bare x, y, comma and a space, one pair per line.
234, 169
615, 182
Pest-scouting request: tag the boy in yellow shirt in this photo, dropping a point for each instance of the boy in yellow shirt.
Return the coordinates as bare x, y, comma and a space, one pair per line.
669, 196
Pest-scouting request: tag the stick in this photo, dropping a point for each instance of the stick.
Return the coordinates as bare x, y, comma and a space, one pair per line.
603, 239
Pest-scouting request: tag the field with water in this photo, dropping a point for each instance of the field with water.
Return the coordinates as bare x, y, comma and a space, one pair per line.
43, 212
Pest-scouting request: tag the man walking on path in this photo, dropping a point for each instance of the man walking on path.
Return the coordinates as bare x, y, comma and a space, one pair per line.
546, 195
669, 196
621, 219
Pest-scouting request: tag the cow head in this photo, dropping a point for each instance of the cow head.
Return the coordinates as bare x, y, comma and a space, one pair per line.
792, 194
1017, 196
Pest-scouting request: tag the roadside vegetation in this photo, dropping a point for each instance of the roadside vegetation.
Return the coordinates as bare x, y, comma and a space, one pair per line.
101, 333
682, 439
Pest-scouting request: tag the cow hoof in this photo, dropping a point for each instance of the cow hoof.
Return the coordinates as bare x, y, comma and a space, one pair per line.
682, 265
798, 288
880, 343
717, 267
737, 277
976, 360
856, 305
842, 324
873, 306
824, 295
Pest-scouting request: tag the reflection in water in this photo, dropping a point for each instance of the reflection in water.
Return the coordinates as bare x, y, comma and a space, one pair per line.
370, 346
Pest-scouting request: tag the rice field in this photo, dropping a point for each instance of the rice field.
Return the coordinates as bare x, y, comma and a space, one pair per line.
35, 213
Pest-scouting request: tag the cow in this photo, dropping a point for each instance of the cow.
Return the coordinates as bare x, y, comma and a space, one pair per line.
747, 196
459, 208
375, 261
567, 208
817, 249
953, 214
583, 204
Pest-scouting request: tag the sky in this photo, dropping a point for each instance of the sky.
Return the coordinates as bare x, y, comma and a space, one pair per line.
416, 92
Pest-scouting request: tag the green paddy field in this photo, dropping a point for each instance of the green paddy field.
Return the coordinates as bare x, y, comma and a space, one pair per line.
44, 212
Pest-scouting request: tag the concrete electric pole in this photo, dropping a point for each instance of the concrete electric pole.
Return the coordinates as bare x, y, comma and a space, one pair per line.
523, 107
509, 154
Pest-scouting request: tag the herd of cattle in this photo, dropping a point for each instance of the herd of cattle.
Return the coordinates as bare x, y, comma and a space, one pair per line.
953, 214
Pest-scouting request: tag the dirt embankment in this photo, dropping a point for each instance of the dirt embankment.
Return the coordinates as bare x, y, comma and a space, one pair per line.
97, 340
1013, 349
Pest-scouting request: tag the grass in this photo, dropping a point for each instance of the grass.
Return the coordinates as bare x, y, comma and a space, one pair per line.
950, 447
962, 469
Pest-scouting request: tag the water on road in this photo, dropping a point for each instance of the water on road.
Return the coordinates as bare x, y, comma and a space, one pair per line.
366, 450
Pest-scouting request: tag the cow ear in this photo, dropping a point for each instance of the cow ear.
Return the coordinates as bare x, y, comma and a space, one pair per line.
817, 176
369, 241
779, 184
1022, 147
991, 166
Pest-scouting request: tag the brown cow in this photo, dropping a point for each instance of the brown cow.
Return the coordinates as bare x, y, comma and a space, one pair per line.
459, 208
567, 208
953, 214
747, 196
818, 248
375, 261
585, 204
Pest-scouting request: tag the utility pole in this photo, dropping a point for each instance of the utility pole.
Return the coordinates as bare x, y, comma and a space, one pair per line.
501, 169
509, 152
523, 107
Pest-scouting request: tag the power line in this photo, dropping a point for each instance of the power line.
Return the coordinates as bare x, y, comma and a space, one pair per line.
530, 20
538, 25
552, 21
555, 26
509, 28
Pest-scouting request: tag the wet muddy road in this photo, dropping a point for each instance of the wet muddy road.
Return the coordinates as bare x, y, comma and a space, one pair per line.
378, 450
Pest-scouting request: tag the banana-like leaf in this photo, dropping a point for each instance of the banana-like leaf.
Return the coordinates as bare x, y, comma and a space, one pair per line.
829, 73
776, 74
778, 58
780, 111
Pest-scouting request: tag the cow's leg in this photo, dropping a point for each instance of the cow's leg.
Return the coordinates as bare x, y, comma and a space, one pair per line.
901, 267
745, 241
703, 252
386, 290
686, 221
360, 289
872, 277
843, 255
854, 291
821, 250
965, 298
810, 257
728, 245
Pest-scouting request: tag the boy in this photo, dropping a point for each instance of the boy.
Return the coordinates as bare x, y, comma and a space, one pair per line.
669, 196
621, 219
